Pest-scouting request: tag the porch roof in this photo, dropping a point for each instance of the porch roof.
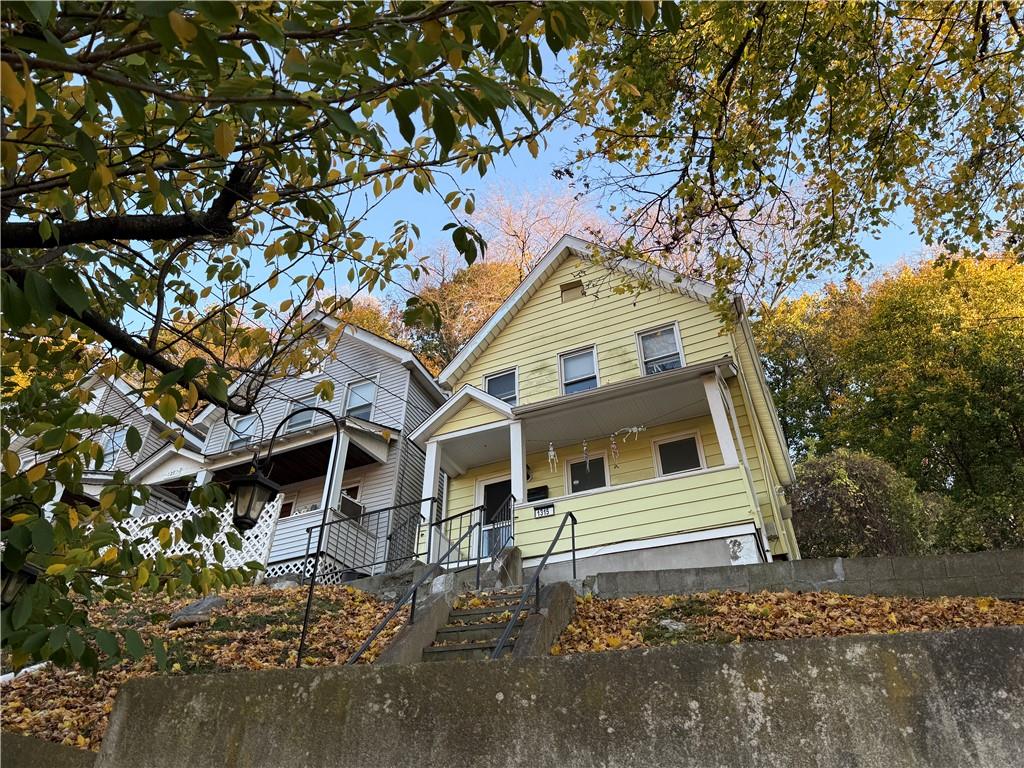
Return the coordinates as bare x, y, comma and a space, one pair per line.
646, 401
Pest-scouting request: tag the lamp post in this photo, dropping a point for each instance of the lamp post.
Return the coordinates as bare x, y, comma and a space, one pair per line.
249, 490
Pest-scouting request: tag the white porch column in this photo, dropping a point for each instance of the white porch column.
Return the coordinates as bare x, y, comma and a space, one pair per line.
721, 419
335, 472
517, 460
431, 480
431, 468
203, 477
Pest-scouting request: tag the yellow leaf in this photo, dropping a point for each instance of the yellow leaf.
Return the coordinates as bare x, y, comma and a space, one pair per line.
107, 499
20, 517
455, 57
72, 517
141, 577
110, 555
647, 8
104, 175
533, 147
36, 473
56, 569
431, 30
12, 462
182, 27
984, 604
224, 139
164, 535
30, 98
10, 86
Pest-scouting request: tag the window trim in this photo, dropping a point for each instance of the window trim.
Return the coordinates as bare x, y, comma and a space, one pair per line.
561, 371
110, 458
233, 434
302, 402
694, 433
578, 459
515, 372
373, 402
640, 347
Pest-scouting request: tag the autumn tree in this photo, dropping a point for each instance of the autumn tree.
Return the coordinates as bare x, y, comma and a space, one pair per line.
923, 368
197, 175
769, 139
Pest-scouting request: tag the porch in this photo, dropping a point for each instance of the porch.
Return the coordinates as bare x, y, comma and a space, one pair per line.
651, 463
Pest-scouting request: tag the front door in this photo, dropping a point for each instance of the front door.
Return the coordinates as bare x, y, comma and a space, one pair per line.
496, 516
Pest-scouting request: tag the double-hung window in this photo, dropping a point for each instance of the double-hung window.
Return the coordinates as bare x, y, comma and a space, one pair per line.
242, 431
659, 350
502, 386
579, 370
113, 446
587, 475
305, 418
679, 454
360, 400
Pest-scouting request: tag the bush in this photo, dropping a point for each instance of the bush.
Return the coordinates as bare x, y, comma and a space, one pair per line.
849, 504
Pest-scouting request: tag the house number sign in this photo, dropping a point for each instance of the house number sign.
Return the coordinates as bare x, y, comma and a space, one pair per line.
546, 511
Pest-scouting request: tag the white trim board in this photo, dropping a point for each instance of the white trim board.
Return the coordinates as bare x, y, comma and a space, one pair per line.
742, 529
426, 430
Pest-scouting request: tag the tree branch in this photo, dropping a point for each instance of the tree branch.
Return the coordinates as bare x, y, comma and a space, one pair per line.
214, 222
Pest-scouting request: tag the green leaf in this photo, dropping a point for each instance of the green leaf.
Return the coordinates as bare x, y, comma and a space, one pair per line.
69, 287
107, 641
193, 367
444, 126
76, 643
160, 651
342, 120
133, 440
670, 15
39, 294
16, 310
133, 644
217, 389
22, 609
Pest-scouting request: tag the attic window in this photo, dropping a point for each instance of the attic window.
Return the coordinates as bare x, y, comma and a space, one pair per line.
572, 291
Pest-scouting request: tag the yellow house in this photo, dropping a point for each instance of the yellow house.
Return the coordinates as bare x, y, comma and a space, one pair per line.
613, 390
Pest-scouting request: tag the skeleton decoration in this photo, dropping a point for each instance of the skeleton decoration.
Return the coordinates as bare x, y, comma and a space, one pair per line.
586, 456
552, 457
614, 447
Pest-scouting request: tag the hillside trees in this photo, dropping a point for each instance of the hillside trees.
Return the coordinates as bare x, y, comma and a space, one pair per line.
921, 368
769, 138
196, 176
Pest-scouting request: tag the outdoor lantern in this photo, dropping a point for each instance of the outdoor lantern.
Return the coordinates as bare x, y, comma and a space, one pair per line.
251, 493
15, 581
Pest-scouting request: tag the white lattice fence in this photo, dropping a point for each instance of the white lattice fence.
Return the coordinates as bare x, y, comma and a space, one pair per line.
256, 541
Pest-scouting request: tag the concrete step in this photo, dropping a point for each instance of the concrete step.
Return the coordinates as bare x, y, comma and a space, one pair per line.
477, 613
465, 651
474, 632
493, 597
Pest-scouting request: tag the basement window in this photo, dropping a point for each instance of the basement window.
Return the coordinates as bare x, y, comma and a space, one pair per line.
572, 291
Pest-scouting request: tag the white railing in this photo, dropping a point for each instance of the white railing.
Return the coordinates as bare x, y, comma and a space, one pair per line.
256, 541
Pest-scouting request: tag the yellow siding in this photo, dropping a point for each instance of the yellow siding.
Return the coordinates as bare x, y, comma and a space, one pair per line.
636, 462
472, 414
545, 327
685, 503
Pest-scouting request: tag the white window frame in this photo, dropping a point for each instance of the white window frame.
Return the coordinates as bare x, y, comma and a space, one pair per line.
592, 348
110, 457
234, 433
309, 401
567, 474
373, 401
515, 373
640, 347
695, 433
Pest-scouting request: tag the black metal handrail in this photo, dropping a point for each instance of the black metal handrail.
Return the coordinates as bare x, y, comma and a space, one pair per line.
534, 584
508, 505
324, 524
410, 595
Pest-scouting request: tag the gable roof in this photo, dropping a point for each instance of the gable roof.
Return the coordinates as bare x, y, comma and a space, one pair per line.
452, 406
566, 246
193, 437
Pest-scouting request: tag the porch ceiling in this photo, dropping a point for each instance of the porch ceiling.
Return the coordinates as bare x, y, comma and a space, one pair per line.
475, 450
587, 418
302, 463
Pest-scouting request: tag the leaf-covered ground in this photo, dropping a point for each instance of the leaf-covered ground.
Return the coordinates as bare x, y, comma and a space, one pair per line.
733, 617
258, 629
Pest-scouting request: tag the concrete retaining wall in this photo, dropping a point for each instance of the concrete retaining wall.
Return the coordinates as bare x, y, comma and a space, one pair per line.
17, 751
940, 700
995, 574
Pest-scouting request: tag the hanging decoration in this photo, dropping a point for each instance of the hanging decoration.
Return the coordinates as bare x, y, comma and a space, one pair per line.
614, 447
586, 456
625, 432
552, 458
